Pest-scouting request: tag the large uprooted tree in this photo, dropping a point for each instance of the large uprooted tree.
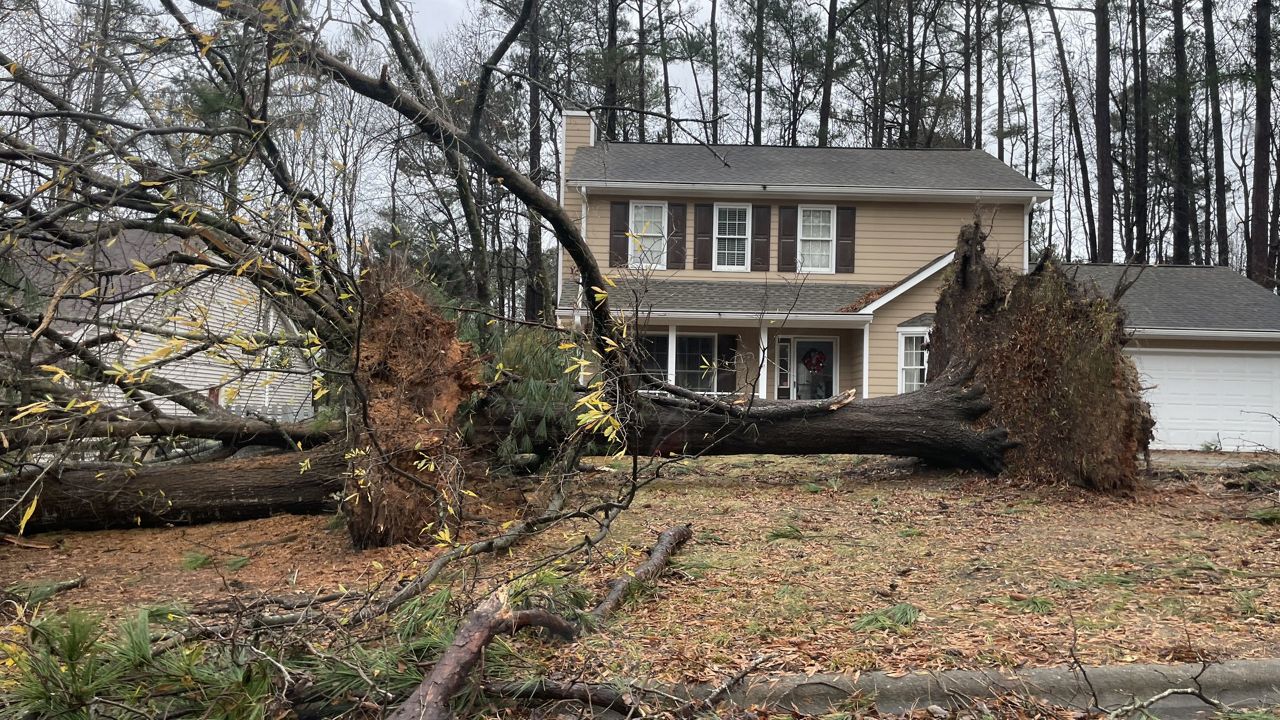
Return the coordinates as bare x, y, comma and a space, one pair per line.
202, 172
211, 184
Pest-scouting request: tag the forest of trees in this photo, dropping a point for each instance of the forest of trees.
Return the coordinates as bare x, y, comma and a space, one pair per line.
1150, 122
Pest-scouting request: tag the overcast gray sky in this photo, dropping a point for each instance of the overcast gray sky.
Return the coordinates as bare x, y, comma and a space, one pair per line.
434, 17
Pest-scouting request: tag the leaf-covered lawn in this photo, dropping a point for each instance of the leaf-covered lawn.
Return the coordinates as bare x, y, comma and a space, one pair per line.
845, 563
828, 563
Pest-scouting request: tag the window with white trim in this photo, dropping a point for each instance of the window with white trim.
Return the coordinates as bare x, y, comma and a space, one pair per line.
696, 362
913, 361
733, 228
817, 240
648, 236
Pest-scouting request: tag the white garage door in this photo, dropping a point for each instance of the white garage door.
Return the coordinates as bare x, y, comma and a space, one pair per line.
1224, 399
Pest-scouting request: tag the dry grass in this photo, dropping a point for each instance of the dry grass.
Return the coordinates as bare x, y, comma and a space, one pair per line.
791, 556
813, 559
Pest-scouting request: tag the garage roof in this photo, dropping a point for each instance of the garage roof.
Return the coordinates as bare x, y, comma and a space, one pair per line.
1186, 297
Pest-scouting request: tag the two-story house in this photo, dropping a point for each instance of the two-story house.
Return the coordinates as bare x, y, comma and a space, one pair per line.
790, 273
794, 273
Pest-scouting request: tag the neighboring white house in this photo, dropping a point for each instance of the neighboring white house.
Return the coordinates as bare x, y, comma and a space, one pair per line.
212, 335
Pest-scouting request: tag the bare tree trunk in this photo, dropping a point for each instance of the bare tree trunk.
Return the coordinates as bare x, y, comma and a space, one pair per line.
1000, 99
664, 57
979, 90
757, 121
612, 68
535, 279
1258, 268
642, 61
1035, 93
967, 50
1214, 81
1141, 138
715, 75
1073, 117
1181, 139
828, 75
1102, 133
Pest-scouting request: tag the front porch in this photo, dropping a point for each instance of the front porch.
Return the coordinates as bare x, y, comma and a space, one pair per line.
771, 360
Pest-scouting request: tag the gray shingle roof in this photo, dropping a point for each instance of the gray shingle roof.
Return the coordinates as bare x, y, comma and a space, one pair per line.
767, 165
1187, 297
662, 295
922, 320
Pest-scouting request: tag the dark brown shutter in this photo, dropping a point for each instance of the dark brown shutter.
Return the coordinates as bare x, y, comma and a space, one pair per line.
619, 243
676, 217
726, 368
788, 216
845, 220
761, 217
703, 220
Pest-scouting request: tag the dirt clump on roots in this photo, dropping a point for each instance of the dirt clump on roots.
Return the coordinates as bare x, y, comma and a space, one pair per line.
1050, 355
408, 469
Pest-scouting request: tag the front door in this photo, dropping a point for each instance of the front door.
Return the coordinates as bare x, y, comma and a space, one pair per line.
806, 368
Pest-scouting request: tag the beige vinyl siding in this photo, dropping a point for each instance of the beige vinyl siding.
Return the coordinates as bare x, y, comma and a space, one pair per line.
222, 307
892, 239
882, 375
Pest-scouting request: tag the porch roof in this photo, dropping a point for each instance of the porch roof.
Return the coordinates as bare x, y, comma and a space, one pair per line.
662, 296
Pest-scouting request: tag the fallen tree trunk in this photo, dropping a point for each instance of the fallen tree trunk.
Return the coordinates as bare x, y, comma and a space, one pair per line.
181, 494
431, 700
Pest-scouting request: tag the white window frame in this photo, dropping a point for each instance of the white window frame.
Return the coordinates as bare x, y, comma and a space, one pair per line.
795, 340
715, 361
715, 239
831, 267
903, 334
634, 257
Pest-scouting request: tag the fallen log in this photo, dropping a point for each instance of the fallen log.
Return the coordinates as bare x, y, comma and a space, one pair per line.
493, 616
180, 495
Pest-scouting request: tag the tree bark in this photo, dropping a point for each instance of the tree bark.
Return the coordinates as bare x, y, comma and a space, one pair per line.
1181, 139
828, 75
1214, 81
1141, 138
535, 279
1073, 117
1258, 270
612, 67
1102, 132
715, 75
182, 494
757, 120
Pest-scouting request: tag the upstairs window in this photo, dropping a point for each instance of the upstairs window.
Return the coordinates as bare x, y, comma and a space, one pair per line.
648, 236
817, 238
913, 361
733, 227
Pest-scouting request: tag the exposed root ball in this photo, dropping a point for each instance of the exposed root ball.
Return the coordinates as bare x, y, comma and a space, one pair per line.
414, 373
1050, 355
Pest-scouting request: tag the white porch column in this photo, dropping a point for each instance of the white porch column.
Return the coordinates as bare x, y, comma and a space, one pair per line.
761, 378
866, 360
671, 354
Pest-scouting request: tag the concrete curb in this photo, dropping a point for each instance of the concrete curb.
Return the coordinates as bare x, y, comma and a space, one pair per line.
1238, 683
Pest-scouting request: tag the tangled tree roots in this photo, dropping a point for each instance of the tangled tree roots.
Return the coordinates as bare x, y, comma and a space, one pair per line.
414, 373
1050, 354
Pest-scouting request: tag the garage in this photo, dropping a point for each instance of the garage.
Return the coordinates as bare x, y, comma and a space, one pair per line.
1206, 341
1206, 399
